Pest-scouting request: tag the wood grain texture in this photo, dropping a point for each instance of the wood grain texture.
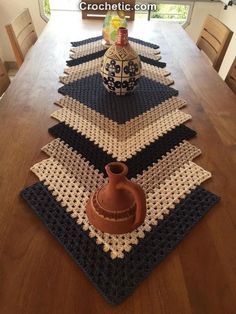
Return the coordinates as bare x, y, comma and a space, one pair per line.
214, 40
36, 274
231, 77
22, 35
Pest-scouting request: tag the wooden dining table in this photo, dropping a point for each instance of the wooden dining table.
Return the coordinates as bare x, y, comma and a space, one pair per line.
36, 273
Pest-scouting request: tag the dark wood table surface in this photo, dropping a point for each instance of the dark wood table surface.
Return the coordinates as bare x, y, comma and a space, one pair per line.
36, 273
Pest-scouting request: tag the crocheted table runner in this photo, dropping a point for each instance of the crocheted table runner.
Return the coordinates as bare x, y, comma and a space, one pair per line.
146, 131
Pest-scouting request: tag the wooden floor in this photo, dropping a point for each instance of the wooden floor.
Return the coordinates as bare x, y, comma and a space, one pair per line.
36, 274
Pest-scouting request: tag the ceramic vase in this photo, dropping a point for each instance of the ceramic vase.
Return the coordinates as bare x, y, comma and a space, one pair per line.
121, 66
111, 24
119, 206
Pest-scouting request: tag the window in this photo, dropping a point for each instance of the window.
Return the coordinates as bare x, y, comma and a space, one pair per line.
64, 5
45, 10
169, 11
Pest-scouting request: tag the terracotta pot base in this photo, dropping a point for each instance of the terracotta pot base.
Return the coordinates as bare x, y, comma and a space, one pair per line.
109, 225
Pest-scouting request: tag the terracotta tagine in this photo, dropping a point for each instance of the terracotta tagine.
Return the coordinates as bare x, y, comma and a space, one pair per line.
121, 66
119, 206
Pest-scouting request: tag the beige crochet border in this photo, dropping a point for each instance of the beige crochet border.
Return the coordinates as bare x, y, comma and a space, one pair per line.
115, 140
81, 51
130, 127
71, 180
78, 52
92, 67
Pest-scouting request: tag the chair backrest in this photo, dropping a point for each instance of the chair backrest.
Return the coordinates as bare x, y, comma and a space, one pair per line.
22, 35
231, 77
4, 79
214, 40
91, 14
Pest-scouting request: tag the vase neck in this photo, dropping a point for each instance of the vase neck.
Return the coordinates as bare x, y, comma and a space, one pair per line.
122, 37
116, 172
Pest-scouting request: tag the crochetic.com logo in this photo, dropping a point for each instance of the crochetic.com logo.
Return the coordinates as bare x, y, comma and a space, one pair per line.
121, 6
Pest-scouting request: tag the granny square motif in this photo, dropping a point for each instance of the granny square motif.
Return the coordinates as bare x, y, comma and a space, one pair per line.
116, 279
146, 131
148, 94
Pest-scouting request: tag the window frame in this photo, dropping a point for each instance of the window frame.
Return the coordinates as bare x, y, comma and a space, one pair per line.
41, 11
182, 2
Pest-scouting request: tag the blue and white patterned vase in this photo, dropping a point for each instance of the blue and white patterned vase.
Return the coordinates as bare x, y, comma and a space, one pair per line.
121, 66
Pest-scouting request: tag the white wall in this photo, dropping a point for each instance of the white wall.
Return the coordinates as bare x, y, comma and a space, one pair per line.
1, 53
9, 9
200, 12
228, 17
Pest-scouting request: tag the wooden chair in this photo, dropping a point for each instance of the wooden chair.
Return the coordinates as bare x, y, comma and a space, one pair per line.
214, 40
231, 77
90, 14
22, 35
4, 79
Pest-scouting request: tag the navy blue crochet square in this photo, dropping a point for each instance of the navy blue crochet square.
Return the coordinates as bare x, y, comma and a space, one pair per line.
144, 43
91, 92
154, 62
93, 39
85, 58
100, 53
116, 279
85, 41
136, 164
